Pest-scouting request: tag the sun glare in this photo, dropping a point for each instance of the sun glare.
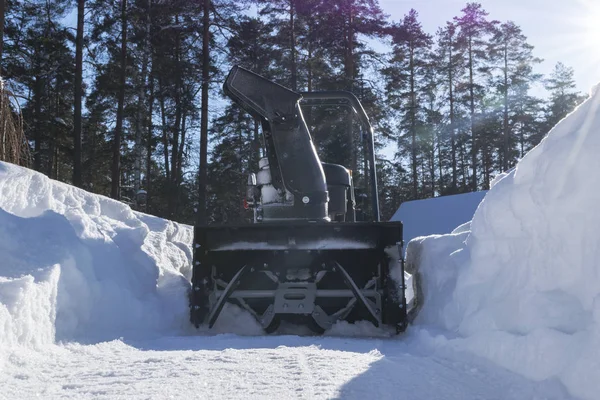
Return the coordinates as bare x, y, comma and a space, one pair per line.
591, 25
577, 43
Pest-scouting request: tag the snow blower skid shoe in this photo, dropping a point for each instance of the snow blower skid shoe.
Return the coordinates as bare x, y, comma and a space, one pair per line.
305, 273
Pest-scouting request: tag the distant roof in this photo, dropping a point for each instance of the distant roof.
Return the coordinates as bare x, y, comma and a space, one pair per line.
437, 215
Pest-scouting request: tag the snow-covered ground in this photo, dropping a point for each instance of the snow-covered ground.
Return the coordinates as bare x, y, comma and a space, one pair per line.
93, 305
279, 367
93, 300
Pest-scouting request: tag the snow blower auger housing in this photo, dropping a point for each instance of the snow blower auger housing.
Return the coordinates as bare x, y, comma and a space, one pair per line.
305, 259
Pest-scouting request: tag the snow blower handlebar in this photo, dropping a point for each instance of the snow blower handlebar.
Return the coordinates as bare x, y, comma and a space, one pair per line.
344, 98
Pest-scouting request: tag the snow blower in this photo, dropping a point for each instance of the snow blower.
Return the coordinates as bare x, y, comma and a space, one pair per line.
308, 258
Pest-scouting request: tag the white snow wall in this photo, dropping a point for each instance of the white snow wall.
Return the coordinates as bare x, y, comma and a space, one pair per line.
523, 288
83, 267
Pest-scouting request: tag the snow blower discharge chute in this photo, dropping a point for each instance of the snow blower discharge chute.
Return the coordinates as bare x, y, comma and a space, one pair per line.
306, 258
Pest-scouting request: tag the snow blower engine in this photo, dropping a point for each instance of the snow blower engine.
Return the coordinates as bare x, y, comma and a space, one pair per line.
305, 259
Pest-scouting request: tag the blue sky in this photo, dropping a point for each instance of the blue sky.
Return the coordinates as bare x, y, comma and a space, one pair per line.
560, 30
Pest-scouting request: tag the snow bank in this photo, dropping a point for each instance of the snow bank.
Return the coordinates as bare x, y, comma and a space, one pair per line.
80, 267
523, 288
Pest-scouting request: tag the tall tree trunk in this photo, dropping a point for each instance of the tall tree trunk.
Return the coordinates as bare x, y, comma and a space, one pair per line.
91, 148
309, 60
149, 138
165, 135
472, 109
522, 133
452, 122
77, 173
413, 127
37, 105
2, 11
432, 170
442, 185
349, 72
309, 75
116, 163
181, 147
255, 148
139, 121
487, 164
178, 170
293, 46
366, 155
464, 165
505, 149
350, 50
423, 173
53, 153
173, 192
432, 153
203, 173
150, 126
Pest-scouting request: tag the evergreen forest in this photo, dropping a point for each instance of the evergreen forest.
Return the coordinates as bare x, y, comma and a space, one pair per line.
126, 95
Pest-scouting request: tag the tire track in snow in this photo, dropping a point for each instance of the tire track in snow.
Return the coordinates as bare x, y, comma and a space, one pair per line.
230, 367
300, 373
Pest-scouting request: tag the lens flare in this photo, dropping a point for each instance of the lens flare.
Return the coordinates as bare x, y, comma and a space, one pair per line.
577, 43
591, 25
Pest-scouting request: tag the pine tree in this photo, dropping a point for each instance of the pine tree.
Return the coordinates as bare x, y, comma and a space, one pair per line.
458, 111
41, 72
563, 96
528, 121
115, 189
77, 175
203, 166
235, 134
474, 32
283, 17
432, 129
348, 22
449, 62
514, 59
405, 87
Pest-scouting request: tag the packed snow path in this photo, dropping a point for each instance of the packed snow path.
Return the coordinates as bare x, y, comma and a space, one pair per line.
275, 367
